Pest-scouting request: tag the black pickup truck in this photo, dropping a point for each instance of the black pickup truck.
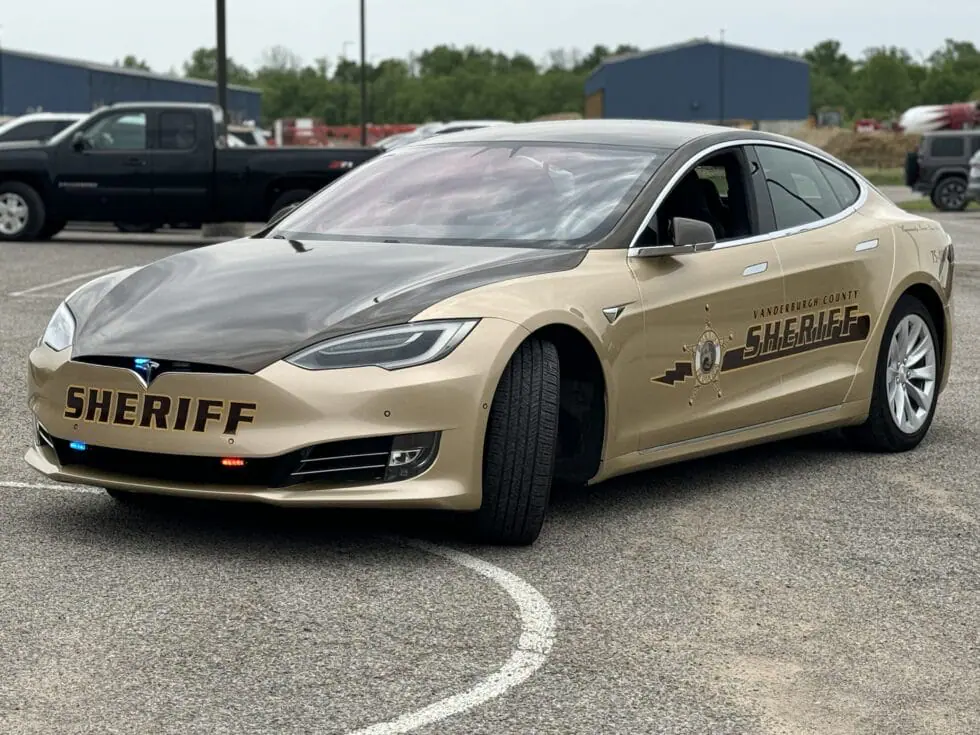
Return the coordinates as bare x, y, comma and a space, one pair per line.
144, 165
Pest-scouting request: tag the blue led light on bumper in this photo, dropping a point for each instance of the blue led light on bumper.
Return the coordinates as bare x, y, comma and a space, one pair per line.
78, 446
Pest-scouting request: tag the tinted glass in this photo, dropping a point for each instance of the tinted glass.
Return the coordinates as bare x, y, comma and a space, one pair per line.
125, 131
535, 194
40, 130
947, 147
975, 144
178, 131
800, 193
844, 186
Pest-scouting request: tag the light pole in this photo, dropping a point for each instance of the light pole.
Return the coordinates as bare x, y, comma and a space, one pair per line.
222, 64
363, 83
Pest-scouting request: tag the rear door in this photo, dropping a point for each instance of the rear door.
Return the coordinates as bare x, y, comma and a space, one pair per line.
107, 176
182, 166
836, 267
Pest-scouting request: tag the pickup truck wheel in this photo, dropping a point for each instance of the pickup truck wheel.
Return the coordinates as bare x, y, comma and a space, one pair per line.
950, 194
294, 196
22, 212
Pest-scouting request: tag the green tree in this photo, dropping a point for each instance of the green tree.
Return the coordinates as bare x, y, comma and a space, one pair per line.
131, 62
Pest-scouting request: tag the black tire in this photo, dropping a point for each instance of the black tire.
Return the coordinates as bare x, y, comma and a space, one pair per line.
293, 196
880, 432
36, 212
950, 194
520, 446
51, 228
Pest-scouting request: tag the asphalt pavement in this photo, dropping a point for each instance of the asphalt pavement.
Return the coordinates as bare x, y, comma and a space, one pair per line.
801, 587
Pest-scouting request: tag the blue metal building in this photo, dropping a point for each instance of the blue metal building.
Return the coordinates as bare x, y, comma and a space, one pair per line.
32, 82
701, 81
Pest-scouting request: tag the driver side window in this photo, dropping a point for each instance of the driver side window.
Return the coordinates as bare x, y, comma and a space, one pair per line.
125, 131
715, 192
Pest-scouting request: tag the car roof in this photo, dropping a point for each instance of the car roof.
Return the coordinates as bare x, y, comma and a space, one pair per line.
47, 116
643, 133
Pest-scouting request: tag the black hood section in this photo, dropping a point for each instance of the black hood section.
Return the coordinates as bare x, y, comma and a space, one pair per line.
248, 303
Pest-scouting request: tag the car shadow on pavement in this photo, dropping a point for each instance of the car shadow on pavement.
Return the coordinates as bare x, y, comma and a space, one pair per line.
235, 527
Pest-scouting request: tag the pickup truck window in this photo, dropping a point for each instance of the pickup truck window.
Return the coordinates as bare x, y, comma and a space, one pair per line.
125, 131
566, 195
178, 130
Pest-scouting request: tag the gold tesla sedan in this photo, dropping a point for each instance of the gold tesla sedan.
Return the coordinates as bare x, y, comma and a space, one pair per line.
462, 322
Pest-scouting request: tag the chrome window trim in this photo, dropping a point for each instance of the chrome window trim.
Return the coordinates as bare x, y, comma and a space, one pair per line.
863, 188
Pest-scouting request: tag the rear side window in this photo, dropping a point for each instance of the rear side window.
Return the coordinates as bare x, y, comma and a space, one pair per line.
800, 194
178, 131
975, 140
844, 186
947, 147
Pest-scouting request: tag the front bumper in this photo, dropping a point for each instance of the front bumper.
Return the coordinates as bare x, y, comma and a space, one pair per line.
296, 412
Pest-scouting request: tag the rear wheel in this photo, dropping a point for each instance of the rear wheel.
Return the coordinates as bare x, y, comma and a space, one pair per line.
520, 445
22, 211
950, 194
906, 386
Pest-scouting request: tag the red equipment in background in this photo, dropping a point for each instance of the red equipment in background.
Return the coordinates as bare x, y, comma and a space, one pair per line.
313, 131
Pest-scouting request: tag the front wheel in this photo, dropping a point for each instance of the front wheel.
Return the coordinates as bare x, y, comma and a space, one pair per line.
906, 387
519, 450
22, 212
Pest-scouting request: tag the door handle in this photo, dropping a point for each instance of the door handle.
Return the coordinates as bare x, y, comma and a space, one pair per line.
752, 270
135, 161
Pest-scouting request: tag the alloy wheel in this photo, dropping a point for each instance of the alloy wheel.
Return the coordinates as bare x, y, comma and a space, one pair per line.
910, 380
14, 213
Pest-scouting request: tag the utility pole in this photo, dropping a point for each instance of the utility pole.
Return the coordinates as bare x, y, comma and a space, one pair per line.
222, 64
363, 82
721, 79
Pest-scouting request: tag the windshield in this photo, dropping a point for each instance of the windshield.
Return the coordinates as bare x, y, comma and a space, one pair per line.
538, 194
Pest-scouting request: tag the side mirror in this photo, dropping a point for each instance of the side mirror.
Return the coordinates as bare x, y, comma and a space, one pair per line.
78, 141
692, 233
689, 236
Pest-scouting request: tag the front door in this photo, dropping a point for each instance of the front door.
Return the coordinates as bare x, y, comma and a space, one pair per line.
105, 176
837, 269
701, 309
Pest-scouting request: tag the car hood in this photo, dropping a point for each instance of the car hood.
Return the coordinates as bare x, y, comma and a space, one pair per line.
20, 145
245, 304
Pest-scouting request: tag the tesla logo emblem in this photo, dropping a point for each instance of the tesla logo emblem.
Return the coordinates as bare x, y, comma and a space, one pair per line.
145, 369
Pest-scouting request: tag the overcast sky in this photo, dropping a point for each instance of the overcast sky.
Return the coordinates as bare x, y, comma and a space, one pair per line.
164, 32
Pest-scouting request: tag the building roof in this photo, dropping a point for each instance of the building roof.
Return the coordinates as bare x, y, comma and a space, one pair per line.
690, 44
92, 66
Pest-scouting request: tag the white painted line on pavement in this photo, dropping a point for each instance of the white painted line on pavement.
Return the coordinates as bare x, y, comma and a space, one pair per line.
70, 279
537, 638
535, 642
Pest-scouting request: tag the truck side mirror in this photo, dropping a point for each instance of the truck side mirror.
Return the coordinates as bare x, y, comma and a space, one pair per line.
78, 141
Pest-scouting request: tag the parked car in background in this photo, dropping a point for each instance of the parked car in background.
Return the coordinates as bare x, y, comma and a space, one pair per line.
146, 165
941, 166
973, 183
39, 126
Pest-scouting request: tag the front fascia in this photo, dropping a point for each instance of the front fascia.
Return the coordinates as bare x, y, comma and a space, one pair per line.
295, 408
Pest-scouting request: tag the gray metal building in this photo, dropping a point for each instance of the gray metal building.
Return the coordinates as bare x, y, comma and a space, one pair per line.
32, 82
702, 81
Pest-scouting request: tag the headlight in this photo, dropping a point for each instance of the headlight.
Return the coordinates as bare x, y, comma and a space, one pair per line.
390, 348
60, 332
